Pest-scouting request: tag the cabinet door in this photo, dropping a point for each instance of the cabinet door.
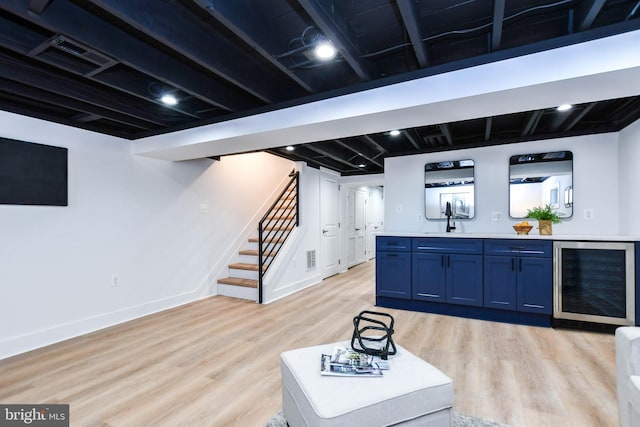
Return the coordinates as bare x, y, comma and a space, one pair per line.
428, 277
464, 279
500, 282
534, 285
393, 274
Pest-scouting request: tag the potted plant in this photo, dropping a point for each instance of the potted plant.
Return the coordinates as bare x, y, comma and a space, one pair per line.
545, 216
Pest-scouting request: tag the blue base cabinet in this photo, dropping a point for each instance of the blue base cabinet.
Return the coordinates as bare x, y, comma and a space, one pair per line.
535, 285
493, 279
428, 279
451, 278
393, 267
447, 270
500, 279
464, 279
518, 275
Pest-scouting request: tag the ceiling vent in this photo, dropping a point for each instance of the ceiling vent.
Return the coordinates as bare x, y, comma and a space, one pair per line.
71, 46
66, 45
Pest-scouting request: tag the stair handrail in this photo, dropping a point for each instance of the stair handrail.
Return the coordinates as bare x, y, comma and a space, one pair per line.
270, 237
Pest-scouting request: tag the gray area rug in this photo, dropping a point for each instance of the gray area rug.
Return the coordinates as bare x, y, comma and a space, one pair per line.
458, 421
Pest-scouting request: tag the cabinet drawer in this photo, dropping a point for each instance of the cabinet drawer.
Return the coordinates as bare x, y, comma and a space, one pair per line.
449, 246
536, 248
396, 244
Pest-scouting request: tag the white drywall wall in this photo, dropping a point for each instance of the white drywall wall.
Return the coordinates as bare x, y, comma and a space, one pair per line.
595, 178
133, 217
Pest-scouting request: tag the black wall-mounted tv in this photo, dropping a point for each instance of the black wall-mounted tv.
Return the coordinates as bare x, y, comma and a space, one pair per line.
32, 174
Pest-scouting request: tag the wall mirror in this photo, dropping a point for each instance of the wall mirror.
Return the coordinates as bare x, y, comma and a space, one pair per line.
449, 182
541, 179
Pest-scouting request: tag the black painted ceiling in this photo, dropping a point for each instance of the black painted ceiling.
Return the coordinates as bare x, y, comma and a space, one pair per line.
102, 65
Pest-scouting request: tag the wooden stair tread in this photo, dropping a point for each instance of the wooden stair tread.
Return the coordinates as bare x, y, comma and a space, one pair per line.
255, 240
254, 252
244, 266
247, 283
280, 217
279, 228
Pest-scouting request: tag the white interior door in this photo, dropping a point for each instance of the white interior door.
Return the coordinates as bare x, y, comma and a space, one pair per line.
351, 226
329, 218
356, 227
375, 216
361, 227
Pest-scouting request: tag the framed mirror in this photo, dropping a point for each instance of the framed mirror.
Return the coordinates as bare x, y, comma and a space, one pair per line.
449, 182
541, 179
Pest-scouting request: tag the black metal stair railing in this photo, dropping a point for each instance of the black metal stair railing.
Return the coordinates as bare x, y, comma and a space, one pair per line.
276, 225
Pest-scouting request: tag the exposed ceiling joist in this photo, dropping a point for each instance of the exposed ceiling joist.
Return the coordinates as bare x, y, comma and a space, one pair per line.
66, 87
333, 156
576, 119
408, 134
348, 147
338, 36
234, 17
408, 13
103, 65
159, 21
446, 132
487, 128
532, 123
373, 142
496, 31
38, 6
44, 97
587, 12
77, 23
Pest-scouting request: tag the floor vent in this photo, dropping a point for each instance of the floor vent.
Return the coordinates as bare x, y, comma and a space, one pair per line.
311, 260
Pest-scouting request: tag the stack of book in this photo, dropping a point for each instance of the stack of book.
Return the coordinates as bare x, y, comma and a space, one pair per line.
346, 362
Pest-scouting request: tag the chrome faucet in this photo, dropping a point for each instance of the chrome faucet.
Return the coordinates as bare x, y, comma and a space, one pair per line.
448, 213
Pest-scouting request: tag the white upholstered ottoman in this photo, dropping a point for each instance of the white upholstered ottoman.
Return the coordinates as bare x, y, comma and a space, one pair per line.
411, 393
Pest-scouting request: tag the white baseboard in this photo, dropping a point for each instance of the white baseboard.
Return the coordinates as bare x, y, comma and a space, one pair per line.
44, 337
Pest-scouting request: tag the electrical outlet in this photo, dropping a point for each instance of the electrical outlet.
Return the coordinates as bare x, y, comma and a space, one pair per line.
115, 280
204, 208
419, 217
588, 214
496, 216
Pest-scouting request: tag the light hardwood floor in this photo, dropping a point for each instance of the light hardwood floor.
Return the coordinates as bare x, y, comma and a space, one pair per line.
215, 362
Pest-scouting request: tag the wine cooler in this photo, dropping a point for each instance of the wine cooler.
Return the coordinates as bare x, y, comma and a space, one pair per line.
594, 282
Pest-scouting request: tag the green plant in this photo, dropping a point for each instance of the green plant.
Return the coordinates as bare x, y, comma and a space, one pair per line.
545, 214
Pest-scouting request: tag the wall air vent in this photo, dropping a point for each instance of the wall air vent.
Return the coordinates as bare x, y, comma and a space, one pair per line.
311, 260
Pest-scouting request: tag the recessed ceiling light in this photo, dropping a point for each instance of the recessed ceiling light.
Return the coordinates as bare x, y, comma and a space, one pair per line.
169, 99
394, 132
361, 165
564, 107
290, 148
325, 50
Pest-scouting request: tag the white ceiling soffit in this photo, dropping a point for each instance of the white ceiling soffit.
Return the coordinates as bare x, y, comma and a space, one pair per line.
601, 69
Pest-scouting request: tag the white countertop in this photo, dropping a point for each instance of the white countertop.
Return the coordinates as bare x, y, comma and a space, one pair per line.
580, 237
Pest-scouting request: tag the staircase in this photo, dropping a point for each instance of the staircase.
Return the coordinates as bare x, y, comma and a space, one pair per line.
253, 260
